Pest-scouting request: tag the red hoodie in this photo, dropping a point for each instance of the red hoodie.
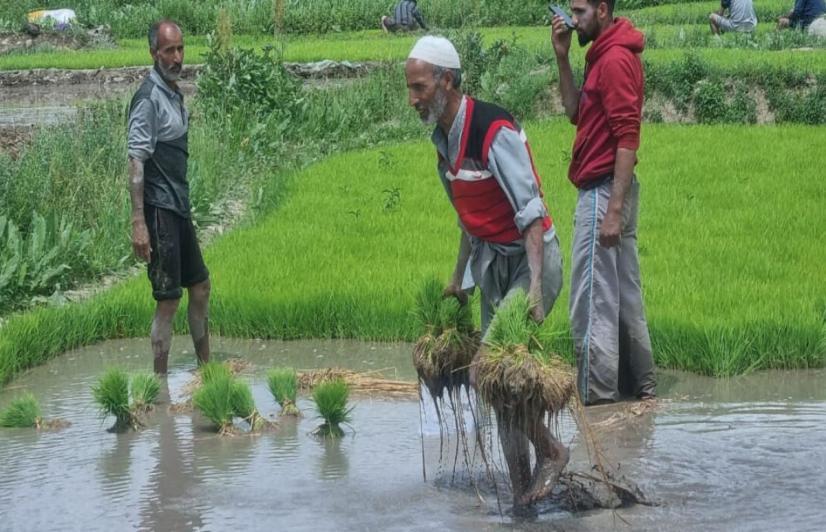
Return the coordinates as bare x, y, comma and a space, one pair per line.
610, 104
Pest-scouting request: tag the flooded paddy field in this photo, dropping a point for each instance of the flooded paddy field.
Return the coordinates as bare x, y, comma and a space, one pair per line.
739, 454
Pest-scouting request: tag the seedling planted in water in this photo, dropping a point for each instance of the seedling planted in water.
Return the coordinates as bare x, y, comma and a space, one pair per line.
221, 399
331, 401
23, 412
283, 384
112, 393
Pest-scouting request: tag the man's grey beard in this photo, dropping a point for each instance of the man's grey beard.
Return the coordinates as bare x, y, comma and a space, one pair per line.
167, 74
436, 108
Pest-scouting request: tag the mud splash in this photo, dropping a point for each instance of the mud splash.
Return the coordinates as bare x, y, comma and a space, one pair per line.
752, 444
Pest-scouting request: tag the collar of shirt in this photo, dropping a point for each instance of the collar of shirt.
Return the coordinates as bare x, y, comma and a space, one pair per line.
448, 146
171, 93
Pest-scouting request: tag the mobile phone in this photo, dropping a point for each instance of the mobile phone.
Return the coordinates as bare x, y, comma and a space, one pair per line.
558, 11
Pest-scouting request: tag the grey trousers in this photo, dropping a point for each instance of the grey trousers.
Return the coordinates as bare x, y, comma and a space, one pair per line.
610, 332
510, 273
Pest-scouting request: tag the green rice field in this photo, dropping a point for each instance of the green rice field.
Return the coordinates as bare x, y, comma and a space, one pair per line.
733, 277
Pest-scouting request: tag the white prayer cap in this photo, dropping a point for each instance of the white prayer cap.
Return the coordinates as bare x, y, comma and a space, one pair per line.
437, 51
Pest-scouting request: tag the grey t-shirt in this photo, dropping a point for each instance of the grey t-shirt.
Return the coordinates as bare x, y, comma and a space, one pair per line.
741, 13
158, 125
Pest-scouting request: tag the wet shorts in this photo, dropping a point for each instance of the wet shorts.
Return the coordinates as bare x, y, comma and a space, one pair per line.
394, 26
176, 259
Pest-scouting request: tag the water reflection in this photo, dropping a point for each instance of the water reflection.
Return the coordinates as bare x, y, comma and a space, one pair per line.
334, 463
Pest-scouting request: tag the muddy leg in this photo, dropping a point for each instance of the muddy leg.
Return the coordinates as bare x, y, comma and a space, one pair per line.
551, 459
198, 316
162, 333
517, 455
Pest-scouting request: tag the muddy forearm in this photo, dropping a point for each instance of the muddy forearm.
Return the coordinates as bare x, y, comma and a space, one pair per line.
136, 189
461, 259
535, 249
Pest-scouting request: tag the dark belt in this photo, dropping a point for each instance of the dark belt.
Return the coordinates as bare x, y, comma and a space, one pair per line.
596, 182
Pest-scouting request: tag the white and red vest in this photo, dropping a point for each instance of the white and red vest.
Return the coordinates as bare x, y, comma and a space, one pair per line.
481, 203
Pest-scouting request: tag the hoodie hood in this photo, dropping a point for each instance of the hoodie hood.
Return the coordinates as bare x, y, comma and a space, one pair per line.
622, 33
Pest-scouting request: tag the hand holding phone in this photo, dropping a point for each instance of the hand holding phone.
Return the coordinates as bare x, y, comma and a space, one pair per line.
558, 11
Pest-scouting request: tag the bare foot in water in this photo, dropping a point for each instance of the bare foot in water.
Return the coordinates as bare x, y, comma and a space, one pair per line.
545, 476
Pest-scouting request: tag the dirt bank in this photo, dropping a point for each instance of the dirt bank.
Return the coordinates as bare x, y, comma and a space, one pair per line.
57, 76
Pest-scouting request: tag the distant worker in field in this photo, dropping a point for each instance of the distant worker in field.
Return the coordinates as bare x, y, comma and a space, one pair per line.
606, 309
162, 231
741, 17
508, 241
806, 15
406, 17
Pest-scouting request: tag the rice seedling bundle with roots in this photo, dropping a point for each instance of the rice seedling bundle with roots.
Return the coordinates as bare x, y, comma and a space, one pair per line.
24, 412
331, 400
283, 384
443, 354
112, 394
221, 398
513, 375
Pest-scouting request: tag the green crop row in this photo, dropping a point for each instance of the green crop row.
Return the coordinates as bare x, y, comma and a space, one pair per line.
131, 19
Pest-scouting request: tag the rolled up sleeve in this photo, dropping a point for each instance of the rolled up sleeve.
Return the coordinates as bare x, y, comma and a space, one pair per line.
621, 94
143, 130
511, 165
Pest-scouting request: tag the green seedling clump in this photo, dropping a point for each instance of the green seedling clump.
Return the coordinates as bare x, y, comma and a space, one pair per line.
331, 401
514, 373
283, 384
448, 341
22, 412
222, 398
112, 394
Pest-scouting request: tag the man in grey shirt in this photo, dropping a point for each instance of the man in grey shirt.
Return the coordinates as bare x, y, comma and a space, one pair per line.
162, 231
507, 238
741, 17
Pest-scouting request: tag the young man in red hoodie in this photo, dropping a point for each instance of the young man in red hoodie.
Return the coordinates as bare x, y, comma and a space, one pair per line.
607, 317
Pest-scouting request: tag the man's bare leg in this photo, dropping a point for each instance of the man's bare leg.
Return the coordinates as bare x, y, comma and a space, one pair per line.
162, 333
198, 317
517, 455
551, 459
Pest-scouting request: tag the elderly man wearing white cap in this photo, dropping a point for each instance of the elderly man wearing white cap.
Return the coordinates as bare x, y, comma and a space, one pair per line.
508, 241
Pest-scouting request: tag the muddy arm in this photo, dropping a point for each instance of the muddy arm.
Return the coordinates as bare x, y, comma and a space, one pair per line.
140, 234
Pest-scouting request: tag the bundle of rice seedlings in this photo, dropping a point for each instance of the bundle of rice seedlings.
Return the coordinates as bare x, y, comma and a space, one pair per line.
22, 412
216, 401
211, 370
144, 389
514, 374
111, 393
331, 400
222, 398
283, 384
448, 341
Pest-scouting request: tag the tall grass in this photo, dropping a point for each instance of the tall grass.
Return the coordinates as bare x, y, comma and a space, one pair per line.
111, 393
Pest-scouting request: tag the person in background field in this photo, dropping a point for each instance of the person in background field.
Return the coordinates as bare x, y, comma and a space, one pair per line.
508, 241
608, 322
741, 17
162, 231
406, 17
807, 15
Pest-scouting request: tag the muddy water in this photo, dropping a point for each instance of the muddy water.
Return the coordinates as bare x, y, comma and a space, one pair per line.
746, 454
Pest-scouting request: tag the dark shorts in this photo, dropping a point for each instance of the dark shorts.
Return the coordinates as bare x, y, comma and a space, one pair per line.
176, 259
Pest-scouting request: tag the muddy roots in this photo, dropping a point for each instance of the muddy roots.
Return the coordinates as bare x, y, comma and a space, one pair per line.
515, 381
